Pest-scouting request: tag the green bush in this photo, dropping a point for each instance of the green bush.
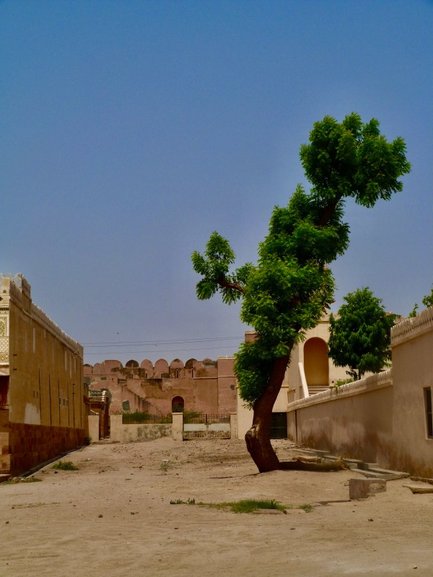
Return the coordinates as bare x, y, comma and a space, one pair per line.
65, 466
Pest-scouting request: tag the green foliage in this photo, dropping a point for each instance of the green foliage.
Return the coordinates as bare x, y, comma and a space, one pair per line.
65, 466
352, 159
138, 418
246, 505
214, 267
291, 286
189, 501
427, 301
360, 336
252, 505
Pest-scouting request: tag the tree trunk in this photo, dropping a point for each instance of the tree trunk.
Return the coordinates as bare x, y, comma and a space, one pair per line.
258, 437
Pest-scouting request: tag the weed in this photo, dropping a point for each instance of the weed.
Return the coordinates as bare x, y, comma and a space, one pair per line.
65, 466
15, 480
252, 505
246, 505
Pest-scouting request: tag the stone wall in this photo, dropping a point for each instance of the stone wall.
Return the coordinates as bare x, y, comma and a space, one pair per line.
202, 386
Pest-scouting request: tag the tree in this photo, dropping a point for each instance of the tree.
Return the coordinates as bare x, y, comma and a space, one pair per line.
288, 289
360, 336
427, 301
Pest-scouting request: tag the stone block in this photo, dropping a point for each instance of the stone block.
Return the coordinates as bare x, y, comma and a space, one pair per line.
363, 488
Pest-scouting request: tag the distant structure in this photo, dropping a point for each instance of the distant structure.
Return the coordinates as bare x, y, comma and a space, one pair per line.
43, 411
158, 389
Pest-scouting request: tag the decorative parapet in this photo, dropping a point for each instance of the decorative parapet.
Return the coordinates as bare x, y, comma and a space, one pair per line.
366, 385
412, 328
16, 289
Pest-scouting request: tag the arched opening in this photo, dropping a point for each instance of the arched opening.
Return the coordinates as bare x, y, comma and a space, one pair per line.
177, 405
316, 363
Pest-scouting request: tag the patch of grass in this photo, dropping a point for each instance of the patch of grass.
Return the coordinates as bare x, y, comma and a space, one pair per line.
165, 465
182, 502
65, 466
246, 505
252, 505
15, 480
306, 507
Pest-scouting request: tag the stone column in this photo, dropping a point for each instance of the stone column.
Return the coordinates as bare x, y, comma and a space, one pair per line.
177, 426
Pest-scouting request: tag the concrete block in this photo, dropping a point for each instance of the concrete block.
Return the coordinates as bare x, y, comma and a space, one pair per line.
363, 488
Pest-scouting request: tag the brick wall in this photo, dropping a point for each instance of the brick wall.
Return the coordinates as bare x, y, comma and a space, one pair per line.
30, 445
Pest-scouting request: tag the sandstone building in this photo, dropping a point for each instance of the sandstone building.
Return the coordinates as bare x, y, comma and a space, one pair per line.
42, 401
158, 389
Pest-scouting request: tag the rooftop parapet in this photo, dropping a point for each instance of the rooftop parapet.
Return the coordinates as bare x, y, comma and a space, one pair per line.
412, 328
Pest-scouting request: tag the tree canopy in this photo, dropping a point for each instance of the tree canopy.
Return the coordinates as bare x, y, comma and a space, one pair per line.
427, 301
360, 335
288, 289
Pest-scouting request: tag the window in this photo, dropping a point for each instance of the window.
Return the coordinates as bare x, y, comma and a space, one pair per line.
428, 412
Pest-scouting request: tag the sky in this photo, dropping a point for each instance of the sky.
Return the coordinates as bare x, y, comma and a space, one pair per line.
131, 130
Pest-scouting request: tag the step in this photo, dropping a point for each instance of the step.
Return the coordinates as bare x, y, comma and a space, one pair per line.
381, 474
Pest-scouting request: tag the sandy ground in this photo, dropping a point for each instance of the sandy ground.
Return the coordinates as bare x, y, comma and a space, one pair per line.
113, 518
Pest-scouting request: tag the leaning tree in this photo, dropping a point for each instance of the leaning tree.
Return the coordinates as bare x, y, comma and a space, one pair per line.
289, 288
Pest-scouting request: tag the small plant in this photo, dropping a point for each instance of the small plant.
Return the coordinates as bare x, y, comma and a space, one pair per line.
246, 505
252, 505
65, 466
165, 465
15, 480
341, 382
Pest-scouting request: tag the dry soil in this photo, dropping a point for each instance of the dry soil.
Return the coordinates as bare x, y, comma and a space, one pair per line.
115, 517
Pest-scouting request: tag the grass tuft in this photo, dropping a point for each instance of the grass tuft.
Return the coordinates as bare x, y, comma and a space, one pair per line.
252, 505
65, 466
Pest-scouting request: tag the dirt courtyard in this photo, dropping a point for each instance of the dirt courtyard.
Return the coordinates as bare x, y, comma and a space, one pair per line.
115, 517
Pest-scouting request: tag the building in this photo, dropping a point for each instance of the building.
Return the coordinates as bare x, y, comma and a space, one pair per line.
42, 399
310, 371
158, 389
384, 418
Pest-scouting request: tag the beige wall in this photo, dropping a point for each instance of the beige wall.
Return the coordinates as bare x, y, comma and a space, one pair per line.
382, 417
412, 361
353, 420
41, 379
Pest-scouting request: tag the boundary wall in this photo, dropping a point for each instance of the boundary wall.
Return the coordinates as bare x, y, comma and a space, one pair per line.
353, 420
385, 418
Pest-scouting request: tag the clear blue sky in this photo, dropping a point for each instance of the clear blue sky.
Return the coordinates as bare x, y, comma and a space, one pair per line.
133, 129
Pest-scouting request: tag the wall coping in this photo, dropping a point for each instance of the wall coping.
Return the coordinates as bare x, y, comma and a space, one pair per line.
412, 327
365, 385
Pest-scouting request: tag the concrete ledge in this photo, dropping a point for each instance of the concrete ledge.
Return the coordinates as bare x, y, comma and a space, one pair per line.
363, 488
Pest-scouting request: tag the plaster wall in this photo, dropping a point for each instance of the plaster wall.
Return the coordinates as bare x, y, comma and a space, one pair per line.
412, 361
41, 379
354, 420
383, 417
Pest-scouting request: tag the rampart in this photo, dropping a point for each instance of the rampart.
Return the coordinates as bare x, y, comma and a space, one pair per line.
159, 388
